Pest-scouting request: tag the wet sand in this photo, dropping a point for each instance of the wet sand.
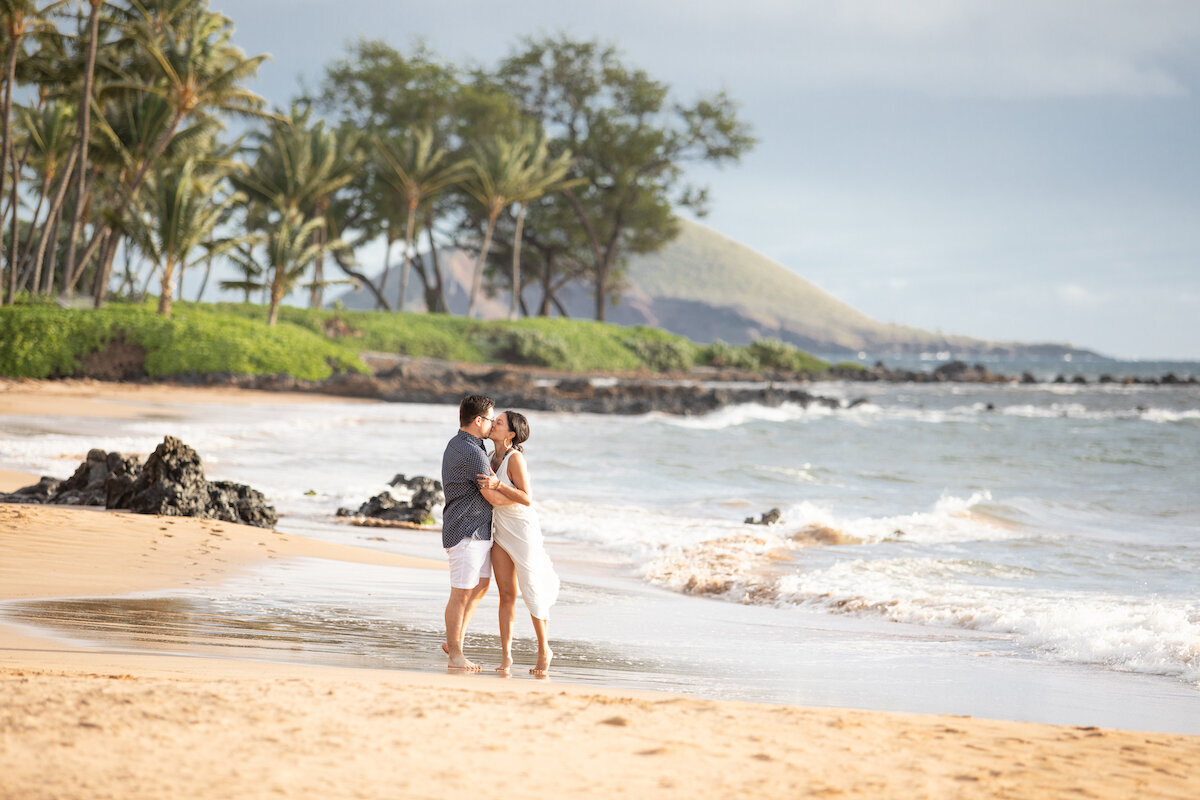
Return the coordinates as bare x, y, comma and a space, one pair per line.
84, 722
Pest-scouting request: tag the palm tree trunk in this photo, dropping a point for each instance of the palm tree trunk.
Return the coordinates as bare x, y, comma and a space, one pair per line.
10, 75
51, 265
104, 270
513, 312
477, 279
164, 296
13, 244
98, 238
85, 131
544, 311
408, 249
387, 255
37, 212
51, 227
439, 287
207, 271
317, 293
276, 296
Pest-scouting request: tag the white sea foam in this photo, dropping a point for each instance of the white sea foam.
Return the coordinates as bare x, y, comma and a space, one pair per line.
734, 416
1136, 634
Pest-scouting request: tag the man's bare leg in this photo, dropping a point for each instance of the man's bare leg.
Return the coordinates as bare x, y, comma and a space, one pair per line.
545, 654
473, 599
456, 620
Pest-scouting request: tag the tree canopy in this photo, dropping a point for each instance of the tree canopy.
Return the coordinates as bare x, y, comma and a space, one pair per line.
557, 163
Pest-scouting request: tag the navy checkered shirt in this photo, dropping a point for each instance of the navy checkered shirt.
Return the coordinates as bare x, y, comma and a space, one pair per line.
467, 514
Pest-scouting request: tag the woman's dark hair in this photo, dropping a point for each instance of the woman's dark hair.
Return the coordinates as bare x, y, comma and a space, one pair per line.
520, 428
472, 406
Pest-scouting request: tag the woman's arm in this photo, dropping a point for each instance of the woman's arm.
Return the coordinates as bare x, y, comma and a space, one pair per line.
493, 496
501, 494
518, 473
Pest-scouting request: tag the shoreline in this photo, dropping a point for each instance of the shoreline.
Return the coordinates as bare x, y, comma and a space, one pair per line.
81, 721
85, 721
403, 379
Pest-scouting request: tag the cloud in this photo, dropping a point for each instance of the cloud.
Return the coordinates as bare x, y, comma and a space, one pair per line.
1072, 294
1051, 48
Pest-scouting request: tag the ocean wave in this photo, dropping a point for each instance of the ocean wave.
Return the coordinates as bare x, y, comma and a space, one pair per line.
743, 414
1133, 634
744, 564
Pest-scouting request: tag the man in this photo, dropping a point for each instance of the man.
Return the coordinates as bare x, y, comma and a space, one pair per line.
466, 522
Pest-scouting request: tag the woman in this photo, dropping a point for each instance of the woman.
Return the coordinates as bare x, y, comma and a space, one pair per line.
518, 553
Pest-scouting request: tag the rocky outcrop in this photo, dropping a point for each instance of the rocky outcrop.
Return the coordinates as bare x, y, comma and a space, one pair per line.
424, 495
88, 486
766, 518
440, 382
171, 483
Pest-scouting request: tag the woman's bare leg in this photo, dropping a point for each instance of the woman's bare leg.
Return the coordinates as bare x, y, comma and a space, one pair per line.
505, 572
545, 654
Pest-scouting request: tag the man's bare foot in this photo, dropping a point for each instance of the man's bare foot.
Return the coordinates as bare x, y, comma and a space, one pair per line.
506, 663
542, 669
462, 664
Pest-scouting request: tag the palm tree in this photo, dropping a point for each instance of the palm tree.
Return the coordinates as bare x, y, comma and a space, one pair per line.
184, 207
85, 121
198, 72
19, 18
509, 170
243, 258
299, 166
542, 176
497, 164
127, 132
415, 170
49, 132
291, 246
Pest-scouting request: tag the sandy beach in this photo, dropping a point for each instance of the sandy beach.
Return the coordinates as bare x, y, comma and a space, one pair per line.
82, 721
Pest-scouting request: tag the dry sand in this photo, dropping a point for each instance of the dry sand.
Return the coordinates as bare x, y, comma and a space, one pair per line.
104, 399
79, 722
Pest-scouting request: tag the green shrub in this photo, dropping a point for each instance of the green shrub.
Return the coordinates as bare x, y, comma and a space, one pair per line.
848, 366
664, 355
42, 341
722, 354
777, 355
50, 342
525, 346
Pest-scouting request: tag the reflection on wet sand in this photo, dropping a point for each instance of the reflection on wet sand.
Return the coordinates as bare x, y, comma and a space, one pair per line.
330, 636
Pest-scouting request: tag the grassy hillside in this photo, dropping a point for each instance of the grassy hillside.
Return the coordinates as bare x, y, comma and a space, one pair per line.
708, 269
45, 341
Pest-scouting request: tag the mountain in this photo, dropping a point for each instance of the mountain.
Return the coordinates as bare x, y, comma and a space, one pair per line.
706, 286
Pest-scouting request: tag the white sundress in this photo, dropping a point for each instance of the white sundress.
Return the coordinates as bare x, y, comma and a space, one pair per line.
515, 528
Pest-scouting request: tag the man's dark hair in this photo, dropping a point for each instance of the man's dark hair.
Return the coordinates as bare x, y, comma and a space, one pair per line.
472, 406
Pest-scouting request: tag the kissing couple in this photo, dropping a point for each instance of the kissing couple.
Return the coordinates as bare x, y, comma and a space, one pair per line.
489, 525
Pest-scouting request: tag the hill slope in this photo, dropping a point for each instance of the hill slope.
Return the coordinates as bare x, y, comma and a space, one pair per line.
706, 286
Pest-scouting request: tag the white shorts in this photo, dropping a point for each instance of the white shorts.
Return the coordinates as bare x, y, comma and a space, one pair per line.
470, 562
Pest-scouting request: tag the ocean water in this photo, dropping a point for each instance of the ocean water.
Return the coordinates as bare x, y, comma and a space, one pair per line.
1027, 552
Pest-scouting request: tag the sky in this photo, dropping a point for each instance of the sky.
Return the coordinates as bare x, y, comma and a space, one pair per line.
1012, 170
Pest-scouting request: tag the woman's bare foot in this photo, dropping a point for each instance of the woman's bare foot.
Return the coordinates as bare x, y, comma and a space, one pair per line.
445, 648
506, 663
462, 664
542, 669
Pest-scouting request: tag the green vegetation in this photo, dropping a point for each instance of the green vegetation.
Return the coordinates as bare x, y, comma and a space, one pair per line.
49, 342
115, 140
45, 341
